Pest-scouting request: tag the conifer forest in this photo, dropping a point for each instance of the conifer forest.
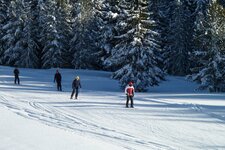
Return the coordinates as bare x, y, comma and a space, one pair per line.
137, 40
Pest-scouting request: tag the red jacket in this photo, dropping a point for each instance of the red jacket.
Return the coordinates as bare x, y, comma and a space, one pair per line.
129, 90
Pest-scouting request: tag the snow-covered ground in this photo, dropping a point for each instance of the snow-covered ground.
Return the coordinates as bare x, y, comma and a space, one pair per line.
34, 116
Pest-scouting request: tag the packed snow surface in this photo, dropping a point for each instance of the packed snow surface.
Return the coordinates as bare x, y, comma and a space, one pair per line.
172, 116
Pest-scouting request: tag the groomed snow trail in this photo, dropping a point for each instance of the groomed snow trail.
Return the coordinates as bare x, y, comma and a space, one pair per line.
158, 121
96, 118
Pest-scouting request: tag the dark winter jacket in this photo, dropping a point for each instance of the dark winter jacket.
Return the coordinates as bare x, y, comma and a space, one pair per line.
16, 72
76, 84
58, 77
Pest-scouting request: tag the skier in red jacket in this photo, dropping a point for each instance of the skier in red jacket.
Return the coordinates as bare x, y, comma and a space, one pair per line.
129, 91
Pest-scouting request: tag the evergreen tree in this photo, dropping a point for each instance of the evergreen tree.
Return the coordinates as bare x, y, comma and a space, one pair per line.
163, 11
209, 53
13, 33
135, 51
179, 39
64, 30
30, 50
84, 41
3, 20
199, 42
50, 39
75, 8
108, 15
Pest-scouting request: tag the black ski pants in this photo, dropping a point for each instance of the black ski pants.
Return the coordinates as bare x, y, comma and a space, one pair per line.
17, 79
75, 90
129, 98
59, 86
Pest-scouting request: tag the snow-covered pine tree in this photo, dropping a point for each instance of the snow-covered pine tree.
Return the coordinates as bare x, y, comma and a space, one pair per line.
30, 50
13, 33
64, 30
3, 20
84, 41
135, 46
190, 10
210, 39
162, 10
75, 8
108, 15
50, 39
199, 42
176, 52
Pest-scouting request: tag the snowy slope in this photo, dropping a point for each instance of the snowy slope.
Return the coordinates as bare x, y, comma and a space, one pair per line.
173, 115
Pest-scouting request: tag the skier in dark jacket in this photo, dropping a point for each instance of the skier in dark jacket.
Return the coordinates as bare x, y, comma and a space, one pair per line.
129, 91
58, 79
75, 86
16, 74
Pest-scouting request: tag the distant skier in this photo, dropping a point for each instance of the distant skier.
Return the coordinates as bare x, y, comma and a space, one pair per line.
16, 74
58, 79
129, 91
75, 86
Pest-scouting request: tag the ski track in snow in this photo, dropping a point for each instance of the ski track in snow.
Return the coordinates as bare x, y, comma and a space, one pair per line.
201, 109
51, 114
196, 107
55, 117
102, 115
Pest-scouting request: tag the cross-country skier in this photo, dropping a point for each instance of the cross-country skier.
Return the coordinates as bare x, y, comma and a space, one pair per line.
75, 86
16, 74
58, 79
129, 91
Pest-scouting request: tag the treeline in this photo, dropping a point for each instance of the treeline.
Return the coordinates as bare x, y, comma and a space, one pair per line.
138, 40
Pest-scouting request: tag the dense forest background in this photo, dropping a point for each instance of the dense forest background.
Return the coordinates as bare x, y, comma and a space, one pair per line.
138, 40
